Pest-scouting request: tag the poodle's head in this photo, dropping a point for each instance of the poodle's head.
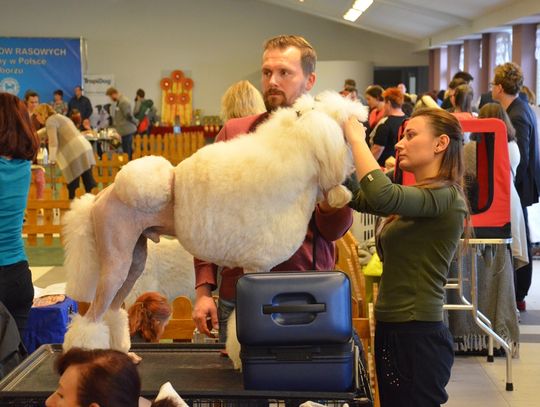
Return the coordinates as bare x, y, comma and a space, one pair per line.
332, 104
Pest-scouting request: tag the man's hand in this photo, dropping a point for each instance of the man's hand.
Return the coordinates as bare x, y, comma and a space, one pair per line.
205, 307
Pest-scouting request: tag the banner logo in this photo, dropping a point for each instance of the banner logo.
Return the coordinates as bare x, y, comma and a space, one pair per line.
10, 85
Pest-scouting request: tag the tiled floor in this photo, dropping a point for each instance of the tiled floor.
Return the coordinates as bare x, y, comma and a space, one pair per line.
475, 382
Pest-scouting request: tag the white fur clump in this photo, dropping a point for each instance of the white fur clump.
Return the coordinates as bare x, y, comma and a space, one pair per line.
168, 270
80, 255
247, 202
136, 188
339, 196
233, 345
118, 324
83, 333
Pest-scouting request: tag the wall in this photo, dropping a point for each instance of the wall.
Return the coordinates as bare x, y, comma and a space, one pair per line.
217, 41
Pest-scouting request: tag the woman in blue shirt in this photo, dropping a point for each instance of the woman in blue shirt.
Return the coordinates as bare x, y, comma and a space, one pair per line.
19, 144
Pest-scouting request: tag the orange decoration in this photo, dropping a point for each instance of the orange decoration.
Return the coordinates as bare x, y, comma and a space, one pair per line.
183, 99
171, 99
177, 75
165, 84
187, 84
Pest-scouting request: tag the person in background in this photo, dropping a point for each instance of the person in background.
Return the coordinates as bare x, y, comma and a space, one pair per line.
69, 148
122, 119
402, 88
386, 134
414, 350
506, 84
349, 90
144, 111
81, 103
240, 100
98, 378
375, 102
148, 317
447, 103
288, 72
19, 145
58, 103
31, 100
462, 102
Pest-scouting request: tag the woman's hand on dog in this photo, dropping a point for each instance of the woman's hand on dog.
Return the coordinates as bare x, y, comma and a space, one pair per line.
354, 131
205, 307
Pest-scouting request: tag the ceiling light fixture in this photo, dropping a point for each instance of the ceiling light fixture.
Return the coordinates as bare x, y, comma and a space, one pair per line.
362, 5
352, 15
357, 9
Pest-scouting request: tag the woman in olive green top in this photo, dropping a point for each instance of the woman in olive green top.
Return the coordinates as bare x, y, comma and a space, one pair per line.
418, 240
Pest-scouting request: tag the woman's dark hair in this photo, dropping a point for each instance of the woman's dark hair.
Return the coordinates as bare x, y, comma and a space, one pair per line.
442, 122
463, 98
107, 377
376, 92
59, 92
495, 110
18, 138
140, 93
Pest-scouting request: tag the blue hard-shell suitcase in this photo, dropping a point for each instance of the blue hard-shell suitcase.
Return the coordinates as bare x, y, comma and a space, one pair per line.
295, 329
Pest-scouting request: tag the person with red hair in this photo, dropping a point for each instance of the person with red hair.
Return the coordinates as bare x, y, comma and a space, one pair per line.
19, 144
384, 137
148, 317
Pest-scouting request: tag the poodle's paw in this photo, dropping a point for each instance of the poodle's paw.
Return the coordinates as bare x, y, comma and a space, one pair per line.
232, 345
339, 196
136, 359
118, 324
83, 333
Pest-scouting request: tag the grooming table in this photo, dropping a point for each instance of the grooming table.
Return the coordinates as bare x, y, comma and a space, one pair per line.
198, 373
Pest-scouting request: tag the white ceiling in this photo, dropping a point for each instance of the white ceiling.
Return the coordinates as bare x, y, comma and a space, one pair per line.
424, 22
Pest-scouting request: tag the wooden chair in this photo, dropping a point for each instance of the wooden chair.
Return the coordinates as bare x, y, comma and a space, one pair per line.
181, 326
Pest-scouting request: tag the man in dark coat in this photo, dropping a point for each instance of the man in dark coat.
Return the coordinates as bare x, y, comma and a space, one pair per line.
507, 82
81, 103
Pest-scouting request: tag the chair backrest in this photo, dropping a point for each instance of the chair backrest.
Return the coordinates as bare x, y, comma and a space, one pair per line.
492, 217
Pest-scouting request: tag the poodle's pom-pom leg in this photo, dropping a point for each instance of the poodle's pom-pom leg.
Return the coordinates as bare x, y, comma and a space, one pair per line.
83, 333
118, 324
232, 345
339, 196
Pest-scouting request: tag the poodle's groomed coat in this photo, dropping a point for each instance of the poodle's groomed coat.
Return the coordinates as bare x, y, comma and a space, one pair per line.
245, 203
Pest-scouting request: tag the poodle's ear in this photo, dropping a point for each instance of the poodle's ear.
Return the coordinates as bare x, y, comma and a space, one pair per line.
329, 148
340, 108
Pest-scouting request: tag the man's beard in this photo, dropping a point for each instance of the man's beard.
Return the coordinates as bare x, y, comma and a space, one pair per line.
271, 106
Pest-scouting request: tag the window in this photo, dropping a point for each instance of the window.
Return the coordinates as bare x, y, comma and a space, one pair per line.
503, 50
461, 57
480, 56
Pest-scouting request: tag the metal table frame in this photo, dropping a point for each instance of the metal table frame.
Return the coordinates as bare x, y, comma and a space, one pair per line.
480, 319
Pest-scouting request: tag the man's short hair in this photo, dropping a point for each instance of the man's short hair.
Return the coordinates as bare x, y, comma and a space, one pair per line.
111, 91
510, 77
30, 94
58, 92
140, 93
466, 76
308, 55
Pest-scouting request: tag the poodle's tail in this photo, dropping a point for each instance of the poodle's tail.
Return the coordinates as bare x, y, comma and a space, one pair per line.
145, 184
80, 257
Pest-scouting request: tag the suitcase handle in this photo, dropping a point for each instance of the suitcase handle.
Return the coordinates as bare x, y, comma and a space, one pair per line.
289, 309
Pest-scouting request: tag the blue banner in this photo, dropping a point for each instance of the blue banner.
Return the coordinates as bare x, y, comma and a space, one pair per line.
40, 64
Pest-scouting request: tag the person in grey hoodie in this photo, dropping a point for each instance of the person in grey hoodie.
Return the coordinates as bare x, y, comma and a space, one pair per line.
123, 120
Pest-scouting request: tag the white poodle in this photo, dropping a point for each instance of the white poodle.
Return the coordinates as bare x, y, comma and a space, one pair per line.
244, 203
